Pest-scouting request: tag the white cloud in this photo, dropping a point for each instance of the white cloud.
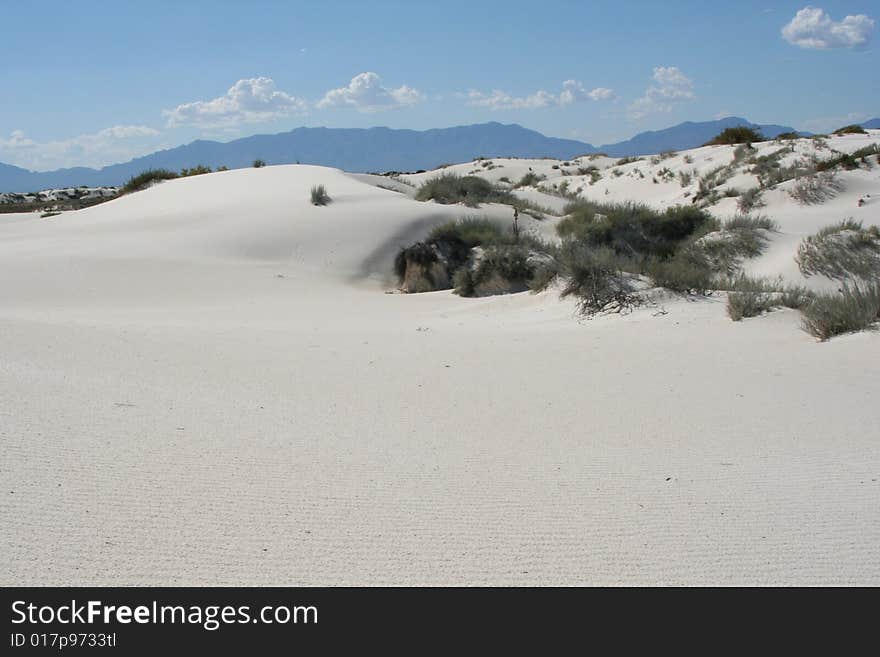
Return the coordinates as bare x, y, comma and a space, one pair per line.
572, 92
366, 93
812, 28
254, 100
670, 87
120, 142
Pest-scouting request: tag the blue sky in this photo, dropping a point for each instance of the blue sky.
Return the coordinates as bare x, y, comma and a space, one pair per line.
92, 83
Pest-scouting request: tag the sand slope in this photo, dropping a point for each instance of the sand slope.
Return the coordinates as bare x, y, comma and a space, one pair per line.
204, 383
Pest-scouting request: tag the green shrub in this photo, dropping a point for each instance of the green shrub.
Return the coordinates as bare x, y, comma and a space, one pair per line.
259, 164
319, 195
529, 180
630, 228
471, 232
750, 297
147, 178
449, 188
842, 251
687, 272
738, 135
197, 170
851, 130
854, 308
787, 136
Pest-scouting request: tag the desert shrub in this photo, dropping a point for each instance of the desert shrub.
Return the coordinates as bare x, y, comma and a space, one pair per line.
223, 168
319, 195
748, 222
545, 273
197, 170
685, 178
259, 164
470, 190
854, 308
750, 297
664, 155
787, 136
628, 160
738, 135
147, 178
471, 232
529, 180
687, 272
851, 130
47, 215
816, 188
750, 200
731, 192
842, 161
595, 278
688, 159
842, 251
631, 229
723, 249
866, 151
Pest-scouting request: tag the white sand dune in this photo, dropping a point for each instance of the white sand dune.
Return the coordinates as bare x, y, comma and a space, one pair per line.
204, 383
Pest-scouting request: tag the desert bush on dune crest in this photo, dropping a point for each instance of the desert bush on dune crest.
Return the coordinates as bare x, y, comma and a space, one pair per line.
631, 229
258, 164
851, 130
738, 135
449, 188
842, 251
147, 178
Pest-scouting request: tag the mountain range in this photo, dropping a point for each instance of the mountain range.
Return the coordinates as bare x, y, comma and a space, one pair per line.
378, 149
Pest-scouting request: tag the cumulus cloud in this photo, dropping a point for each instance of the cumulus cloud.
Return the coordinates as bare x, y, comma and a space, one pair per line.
254, 100
96, 149
572, 92
366, 93
812, 28
669, 87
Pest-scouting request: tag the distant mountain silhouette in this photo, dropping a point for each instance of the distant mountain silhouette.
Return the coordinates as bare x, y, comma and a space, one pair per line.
375, 149
372, 149
873, 124
686, 135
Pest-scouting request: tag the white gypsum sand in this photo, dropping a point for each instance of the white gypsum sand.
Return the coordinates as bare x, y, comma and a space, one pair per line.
204, 383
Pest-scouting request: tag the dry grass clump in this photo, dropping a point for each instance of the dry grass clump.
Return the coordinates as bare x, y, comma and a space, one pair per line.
842, 251
854, 308
319, 195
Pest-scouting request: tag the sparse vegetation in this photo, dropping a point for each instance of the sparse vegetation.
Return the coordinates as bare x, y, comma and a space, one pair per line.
855, 308
449, 188
751, 199
259, 164
197, 170
843, 251
816, 188
531, 179
146, 179
851, 130
595, 277
737, 135
751, 297
319, 195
